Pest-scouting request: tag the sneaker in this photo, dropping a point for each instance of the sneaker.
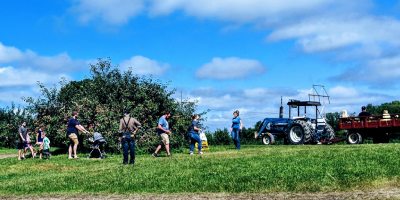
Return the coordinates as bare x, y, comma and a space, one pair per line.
154, 155
191, 153
319, 142
200, 153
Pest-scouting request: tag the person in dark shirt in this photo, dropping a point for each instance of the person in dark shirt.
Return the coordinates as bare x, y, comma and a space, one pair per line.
194, 131
364, 112
72, 134
22, 131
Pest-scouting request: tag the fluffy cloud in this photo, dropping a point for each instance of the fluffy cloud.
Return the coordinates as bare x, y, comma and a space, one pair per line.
316, 35
12, 77
20, 70
114, 12
230, 68
144, 66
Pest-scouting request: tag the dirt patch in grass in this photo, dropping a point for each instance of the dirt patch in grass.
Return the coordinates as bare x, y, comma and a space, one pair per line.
385, 193
2, 156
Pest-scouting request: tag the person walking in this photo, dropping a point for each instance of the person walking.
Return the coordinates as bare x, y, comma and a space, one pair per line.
236, 128
22, 131
39, 140
128, 127
73, 128
194, 131
164, 132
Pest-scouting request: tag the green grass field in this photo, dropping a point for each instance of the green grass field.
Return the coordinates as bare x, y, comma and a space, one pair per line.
254, 169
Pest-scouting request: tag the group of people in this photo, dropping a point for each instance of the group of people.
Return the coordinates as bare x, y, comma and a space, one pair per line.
128, 126
25, 143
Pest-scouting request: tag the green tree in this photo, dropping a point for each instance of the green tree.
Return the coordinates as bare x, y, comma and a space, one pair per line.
101, 100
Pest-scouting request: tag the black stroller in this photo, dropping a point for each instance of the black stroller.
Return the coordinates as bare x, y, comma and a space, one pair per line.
97, 142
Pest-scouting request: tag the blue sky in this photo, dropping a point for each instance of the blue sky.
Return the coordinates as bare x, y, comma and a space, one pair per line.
226, 54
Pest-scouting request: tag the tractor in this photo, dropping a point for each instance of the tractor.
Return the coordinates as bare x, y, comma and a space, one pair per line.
299, 128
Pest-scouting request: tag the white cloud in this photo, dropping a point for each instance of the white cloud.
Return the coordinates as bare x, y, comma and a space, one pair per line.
230, 68
21, 70
8, 54
113, 12
325, 34
242, 11
11, 76
144, 66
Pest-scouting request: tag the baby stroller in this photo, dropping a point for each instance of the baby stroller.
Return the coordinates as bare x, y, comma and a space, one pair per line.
97, 142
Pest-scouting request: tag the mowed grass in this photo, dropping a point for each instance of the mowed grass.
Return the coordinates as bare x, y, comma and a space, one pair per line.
253, 169
8, 151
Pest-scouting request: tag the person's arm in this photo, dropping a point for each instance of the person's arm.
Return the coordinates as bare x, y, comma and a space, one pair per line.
81, 128
121, 125
20, 135
241, 124
161, 128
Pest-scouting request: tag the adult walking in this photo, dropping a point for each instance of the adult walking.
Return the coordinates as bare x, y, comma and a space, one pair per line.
164, 132
22, 132
73, 128
194, 131
128, 127
236, 128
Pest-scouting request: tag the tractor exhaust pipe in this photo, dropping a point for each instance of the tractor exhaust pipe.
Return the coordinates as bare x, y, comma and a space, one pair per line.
281, 110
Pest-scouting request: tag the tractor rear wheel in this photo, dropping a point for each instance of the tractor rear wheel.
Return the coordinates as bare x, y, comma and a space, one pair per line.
296, 134
268, 139
354, 138
329, 133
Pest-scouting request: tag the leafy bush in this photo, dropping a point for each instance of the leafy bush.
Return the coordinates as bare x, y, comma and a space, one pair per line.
10, 120
222, 137
101, 100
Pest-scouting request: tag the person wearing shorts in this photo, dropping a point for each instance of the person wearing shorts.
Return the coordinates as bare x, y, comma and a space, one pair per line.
22, 131
72, 134
164, 132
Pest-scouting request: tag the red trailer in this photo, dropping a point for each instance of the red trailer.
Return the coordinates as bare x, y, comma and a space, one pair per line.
379, 128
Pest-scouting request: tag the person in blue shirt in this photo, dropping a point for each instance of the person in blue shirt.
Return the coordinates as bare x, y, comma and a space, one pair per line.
236, 128
194, 130
164, 132
72, 134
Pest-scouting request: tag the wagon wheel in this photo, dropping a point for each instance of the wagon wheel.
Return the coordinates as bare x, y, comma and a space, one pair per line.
354, 138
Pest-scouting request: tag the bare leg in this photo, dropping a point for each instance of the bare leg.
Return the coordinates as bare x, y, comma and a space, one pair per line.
70, 151
75, 147
19, 154
167, 149
158, 149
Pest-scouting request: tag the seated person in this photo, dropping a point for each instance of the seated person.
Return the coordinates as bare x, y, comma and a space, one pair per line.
364, 112
385, 115
344, 114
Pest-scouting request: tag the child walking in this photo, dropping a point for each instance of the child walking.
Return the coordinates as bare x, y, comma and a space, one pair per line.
28, 145
46, 146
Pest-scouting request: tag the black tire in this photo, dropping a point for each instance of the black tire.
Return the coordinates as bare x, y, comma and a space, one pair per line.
299, 133
329, 133
268, 139
354, 138
296, 133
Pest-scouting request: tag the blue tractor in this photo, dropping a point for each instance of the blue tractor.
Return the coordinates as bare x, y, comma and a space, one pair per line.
299, 128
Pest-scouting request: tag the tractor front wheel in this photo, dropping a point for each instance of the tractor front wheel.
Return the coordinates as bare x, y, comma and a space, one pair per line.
268, 139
